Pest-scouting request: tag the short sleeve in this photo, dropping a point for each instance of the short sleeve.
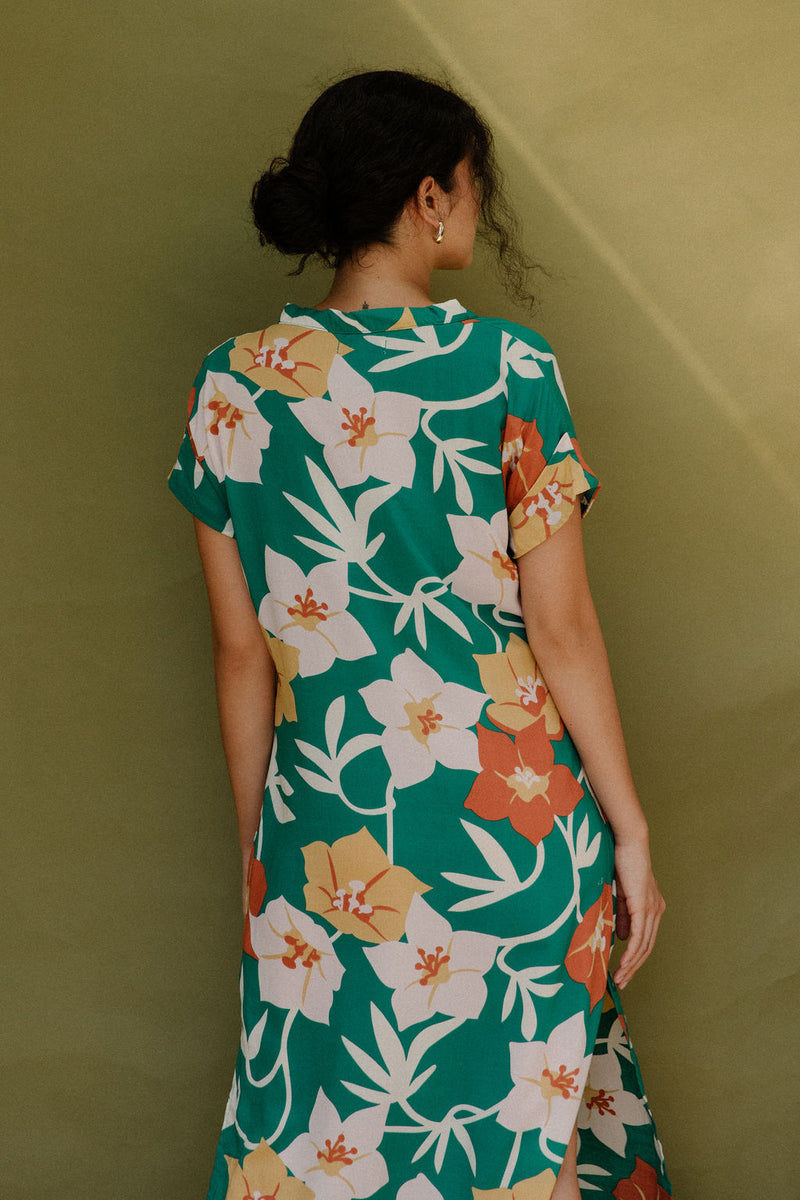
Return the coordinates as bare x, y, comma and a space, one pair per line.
193, 479
544, 472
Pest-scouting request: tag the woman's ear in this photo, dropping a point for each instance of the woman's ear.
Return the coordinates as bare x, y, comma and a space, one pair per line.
428, 199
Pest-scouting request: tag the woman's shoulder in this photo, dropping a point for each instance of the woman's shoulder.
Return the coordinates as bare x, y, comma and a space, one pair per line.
265, 346
268, 350
291, 357
517, 331
217, 356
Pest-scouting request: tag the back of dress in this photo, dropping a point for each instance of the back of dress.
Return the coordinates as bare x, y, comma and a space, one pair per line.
431, 877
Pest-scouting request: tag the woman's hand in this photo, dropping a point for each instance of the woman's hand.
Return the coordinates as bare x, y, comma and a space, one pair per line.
640, 905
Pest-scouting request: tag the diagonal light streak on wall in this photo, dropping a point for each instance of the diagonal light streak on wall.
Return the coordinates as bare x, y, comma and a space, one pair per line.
716, 390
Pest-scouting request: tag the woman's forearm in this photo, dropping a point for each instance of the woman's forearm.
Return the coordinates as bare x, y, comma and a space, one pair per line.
246, 701
245, 676
575, 667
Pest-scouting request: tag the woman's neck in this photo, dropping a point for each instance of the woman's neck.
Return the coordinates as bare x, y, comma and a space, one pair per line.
383, 277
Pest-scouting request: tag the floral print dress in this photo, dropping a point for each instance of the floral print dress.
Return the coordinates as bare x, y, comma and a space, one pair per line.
425, 1002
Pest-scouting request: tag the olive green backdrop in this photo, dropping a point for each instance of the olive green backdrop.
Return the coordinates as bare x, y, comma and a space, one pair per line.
650, 150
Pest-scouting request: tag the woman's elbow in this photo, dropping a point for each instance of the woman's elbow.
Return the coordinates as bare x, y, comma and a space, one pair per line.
562, 632
240, 647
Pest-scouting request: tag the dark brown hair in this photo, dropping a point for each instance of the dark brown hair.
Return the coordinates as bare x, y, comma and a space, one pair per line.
360, 153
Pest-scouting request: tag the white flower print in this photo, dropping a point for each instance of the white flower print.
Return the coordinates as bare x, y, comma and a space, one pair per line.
522, 359
548, 1081
607, 1108
486, 573
337, 1159
233, 1102
436, 970
310, 612
548, 505
227, 430
297, 964
365, 433
419, 1188
278, 787
426, 720
511, 452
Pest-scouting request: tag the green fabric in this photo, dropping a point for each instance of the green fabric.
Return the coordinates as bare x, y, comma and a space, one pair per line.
424, 996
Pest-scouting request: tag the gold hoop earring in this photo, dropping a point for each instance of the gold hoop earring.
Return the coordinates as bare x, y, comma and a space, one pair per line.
440, 234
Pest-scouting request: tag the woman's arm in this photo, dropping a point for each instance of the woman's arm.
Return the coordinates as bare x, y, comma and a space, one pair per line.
245, 679
564, 635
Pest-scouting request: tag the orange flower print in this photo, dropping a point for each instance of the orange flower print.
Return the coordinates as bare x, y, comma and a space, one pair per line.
354, 886
589, 950
540, 1187
519, 694
262, 1174
256, 894
536, 788
522, 457
641, 1185
586, 468
287, 360
287, 663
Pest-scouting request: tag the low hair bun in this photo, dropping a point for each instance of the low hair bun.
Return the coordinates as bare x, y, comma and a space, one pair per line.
289, 208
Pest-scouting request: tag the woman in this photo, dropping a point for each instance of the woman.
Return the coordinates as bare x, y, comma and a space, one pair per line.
387, 497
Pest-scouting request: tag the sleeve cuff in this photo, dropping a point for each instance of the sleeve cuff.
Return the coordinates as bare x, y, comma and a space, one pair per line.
197, 505
548, 503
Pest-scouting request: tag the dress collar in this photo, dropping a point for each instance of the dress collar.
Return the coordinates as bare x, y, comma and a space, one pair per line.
375, 320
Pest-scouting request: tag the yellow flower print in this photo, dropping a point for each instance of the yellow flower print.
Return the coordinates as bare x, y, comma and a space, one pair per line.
287, 359
519, 694
540, 1187
406, 320
286, 659
263, 1174
547, 505
354, 886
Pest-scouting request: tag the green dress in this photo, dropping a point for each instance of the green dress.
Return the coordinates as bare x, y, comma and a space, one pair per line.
425, 1002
